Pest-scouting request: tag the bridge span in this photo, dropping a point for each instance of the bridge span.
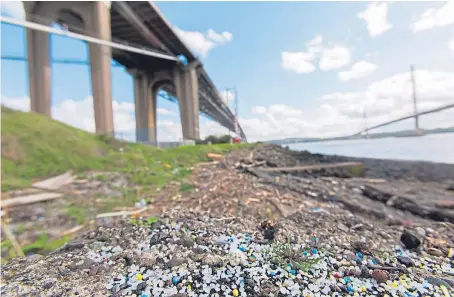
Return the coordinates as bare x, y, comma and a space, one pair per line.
157, 67
415, 116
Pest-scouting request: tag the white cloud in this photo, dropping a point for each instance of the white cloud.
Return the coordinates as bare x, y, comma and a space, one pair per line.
213, 128
334, 58
314, 46
13, 9
202, 43
435, 17
341, 113
164, 111
258, 110
451, 42
227, 96
219, 37
376, 18
299, 62
358, 70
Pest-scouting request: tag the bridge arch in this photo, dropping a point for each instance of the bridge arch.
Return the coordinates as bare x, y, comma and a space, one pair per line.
90, 18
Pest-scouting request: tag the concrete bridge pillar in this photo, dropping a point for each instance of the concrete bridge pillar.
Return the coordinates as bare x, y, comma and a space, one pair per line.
100, 69
39, 74
145, 98
94, 19
187, 88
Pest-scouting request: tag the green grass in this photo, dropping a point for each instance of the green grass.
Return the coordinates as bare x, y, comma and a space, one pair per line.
43, 244
36, 147
186, 187
78, 213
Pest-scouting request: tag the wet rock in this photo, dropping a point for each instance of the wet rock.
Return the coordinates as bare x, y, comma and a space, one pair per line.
408, 262
410, 240
381, 276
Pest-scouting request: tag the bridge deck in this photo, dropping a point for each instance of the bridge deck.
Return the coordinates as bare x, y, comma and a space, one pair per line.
145, 26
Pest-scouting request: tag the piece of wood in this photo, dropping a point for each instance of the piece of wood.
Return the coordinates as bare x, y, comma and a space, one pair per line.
124, 208
310, 167
121, 213
29, 199
215, 156
55, 183
72, 230
207, 163
368, 180
12, 239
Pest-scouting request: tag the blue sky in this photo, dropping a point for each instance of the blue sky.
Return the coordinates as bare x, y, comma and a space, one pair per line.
300, 68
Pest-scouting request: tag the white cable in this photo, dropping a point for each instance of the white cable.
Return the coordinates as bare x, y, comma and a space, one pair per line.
43, 28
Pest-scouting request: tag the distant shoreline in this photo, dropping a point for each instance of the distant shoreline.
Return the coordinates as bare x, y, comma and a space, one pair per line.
399, 134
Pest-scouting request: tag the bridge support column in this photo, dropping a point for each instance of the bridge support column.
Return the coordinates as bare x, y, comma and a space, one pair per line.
187, 89
100, 69
39, 69
145, 103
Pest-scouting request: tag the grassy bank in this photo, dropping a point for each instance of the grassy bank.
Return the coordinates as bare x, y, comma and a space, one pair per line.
35, 147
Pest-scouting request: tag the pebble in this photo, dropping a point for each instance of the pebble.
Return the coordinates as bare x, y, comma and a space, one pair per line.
408, 262
410, 240
380, 276
435, 252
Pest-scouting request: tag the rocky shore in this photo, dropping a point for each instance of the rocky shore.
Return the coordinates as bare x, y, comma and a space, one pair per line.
384, 228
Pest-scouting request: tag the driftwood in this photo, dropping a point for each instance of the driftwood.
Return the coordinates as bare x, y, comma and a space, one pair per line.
215, 156
29, 199
55, 182
12, 239
310, 167
72, 230
121, 213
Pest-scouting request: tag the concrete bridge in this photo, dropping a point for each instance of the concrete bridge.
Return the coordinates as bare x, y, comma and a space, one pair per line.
139, 24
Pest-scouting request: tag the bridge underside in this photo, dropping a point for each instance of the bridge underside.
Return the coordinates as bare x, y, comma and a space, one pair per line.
140, 24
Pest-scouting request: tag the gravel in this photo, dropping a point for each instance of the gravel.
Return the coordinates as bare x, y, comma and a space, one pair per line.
329, 241
231, 257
